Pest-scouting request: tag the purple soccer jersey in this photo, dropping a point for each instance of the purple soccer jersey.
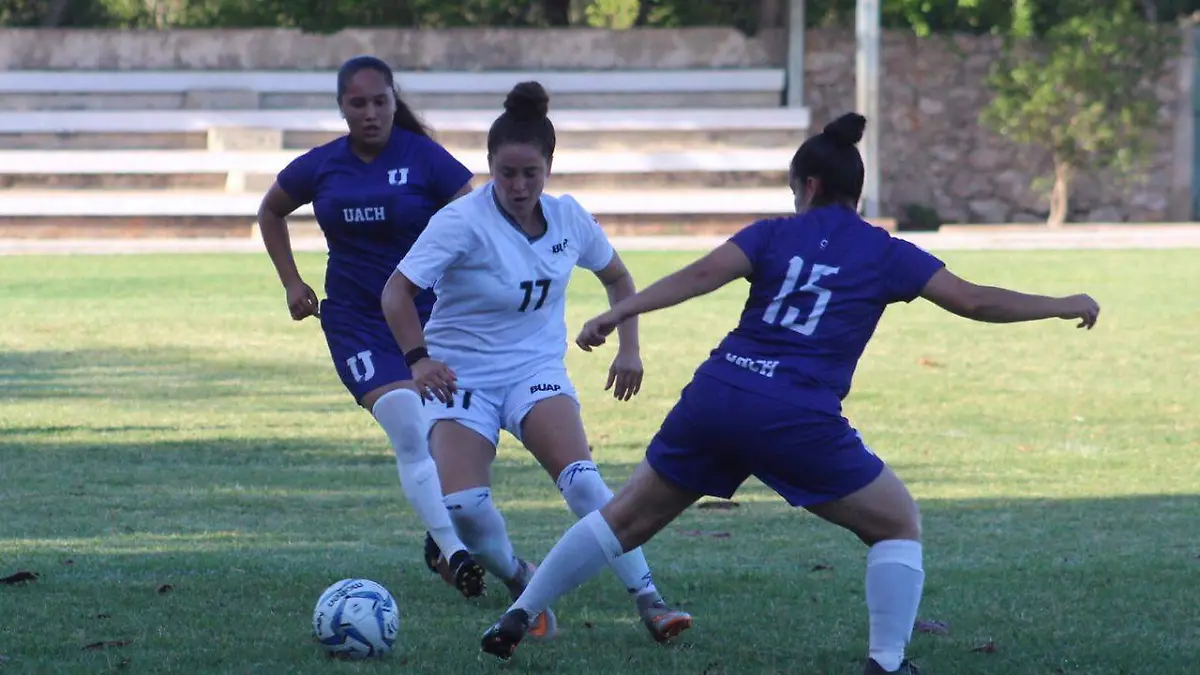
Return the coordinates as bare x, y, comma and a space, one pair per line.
370, 213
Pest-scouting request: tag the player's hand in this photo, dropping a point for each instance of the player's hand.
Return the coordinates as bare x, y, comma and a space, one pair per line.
625, 375
1081, 307
595, 331
434, 380
302, 300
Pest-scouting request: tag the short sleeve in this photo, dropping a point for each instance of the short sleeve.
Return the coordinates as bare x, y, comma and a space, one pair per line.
447, 237
595, 250
447, 175
906, 269
753, 240
299, 178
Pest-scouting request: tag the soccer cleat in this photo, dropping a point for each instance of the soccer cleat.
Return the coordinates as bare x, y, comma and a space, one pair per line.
435, 561
545, 625
468, 575
502, 638
661, 620
460, 571
906, 668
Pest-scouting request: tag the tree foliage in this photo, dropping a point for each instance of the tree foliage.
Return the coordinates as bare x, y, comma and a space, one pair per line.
1085, 92
921, 16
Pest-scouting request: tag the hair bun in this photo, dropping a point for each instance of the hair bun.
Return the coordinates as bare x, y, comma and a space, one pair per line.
847, 129
527, 100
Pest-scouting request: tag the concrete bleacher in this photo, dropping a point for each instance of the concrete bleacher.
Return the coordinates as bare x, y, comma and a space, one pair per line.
645, 150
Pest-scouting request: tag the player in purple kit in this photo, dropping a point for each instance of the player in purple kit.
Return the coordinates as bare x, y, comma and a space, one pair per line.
767, 402
373, 192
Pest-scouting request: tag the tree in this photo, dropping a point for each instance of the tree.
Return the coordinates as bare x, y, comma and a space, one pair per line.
1085, 93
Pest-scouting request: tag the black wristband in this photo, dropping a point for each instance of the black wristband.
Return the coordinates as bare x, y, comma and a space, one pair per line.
411, 357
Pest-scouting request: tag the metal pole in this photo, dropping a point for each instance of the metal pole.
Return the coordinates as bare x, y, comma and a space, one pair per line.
795, 54
867, 90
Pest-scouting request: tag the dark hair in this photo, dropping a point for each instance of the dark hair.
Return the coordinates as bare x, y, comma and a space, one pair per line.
404, 118
831, 157
524, 120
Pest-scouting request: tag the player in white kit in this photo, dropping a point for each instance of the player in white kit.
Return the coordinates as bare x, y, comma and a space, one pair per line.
491, 356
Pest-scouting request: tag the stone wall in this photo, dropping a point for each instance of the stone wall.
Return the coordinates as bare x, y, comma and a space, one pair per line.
934, 151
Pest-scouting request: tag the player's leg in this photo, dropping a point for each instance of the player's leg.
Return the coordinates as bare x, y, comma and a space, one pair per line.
819, 462
463, 438
885, 517
544, 414
372, 368
643, 507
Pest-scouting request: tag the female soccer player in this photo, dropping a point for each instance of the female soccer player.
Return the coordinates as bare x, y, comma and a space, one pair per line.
767, 402
500, 260
373, 192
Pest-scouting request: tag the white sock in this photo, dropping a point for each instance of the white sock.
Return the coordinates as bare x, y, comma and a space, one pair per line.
581, 554
895, 578
583, 488
482, 530
402, 417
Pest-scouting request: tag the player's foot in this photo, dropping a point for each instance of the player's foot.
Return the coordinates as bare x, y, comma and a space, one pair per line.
460, 571
545, 625
435, 561
502, 638
661, 619
468, 575
906, 668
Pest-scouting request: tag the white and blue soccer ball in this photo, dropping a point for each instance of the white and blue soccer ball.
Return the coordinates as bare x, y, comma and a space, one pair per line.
356, 619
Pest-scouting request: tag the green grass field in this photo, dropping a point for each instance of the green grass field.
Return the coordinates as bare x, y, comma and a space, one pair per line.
163, 421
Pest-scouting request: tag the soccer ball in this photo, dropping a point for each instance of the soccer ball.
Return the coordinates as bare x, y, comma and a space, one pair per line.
356, 619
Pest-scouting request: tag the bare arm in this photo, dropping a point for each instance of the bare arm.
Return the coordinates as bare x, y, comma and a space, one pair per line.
618, 284
999, 305
721, 266
276, 206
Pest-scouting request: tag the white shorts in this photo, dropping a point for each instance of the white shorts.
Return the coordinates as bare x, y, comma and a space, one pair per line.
487, 411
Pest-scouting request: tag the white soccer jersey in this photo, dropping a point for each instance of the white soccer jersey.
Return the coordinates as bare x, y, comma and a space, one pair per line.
501, 296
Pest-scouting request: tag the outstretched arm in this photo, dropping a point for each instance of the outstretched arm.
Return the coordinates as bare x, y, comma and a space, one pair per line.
999, 305
724, 264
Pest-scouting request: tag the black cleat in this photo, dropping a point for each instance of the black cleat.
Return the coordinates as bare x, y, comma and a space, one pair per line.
468, 575
906, 668
502, 638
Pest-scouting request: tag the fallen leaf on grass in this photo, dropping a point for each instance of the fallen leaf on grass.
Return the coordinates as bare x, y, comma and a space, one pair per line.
703, 533
104, 616
986, 648
821, 568
106, 644
721, 505
165, 588
588, 624
20, 577
932, 627
928, 363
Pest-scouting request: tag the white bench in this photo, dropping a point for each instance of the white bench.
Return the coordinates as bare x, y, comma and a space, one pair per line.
68, 203
420, 82
199, 121
161, 162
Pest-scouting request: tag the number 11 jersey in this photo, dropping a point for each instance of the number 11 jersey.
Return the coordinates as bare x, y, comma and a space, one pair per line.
500, 314
819, 285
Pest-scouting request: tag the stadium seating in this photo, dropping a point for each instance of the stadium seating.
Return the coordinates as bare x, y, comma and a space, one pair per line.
203, 144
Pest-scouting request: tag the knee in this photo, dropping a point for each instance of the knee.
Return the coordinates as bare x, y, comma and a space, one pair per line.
402, 416
905, 525
583, 488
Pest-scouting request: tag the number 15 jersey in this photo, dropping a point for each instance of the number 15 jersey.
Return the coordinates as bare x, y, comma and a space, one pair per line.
819, 285
500, 314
